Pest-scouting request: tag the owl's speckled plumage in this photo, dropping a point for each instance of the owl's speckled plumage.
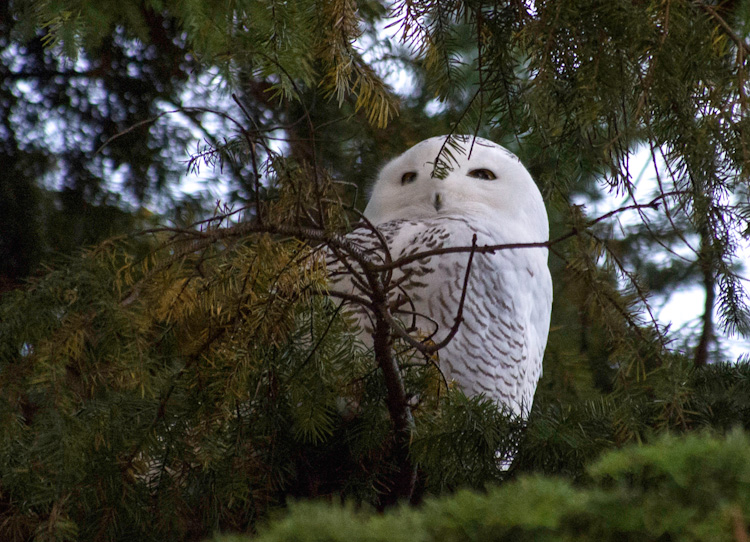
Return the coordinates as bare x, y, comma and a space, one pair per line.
500, 343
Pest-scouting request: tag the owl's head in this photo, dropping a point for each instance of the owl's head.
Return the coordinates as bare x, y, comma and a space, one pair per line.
475, 178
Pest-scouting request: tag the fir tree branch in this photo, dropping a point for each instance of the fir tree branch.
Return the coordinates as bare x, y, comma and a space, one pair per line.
724, 25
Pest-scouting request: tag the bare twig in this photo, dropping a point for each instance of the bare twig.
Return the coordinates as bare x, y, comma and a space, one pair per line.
460, 311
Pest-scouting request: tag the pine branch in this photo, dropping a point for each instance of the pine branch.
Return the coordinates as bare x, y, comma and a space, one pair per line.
742, 44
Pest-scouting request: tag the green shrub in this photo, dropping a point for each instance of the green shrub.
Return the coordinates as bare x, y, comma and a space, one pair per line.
692, 487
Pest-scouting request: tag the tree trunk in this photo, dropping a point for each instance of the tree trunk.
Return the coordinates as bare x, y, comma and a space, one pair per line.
709, 284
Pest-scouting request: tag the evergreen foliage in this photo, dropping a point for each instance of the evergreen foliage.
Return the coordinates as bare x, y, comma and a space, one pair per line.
192, 390
196, 390
692, 488
58, 190
195, 376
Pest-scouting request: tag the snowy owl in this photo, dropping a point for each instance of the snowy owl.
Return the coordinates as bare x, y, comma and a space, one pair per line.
439, 194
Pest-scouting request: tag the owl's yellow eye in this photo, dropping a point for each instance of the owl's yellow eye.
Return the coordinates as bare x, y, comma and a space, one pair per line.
484, 174
408, 177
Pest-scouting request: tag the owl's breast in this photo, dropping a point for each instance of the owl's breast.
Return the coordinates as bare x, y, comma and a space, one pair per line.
500, 303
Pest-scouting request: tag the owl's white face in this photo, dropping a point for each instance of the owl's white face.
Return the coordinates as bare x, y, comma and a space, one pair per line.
490, 185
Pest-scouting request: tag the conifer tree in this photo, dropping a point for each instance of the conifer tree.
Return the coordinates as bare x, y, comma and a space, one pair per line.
185, 378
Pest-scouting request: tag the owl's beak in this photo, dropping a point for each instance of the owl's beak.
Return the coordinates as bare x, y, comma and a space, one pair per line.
438, 201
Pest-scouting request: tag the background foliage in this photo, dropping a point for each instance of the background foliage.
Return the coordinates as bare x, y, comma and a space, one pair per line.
189, 374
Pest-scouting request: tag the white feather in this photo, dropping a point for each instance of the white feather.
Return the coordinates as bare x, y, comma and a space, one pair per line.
500, 343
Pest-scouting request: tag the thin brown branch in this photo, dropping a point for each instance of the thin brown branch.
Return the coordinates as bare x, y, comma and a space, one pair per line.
399, 410
723, 24
639, 291
485, 249
459, 313
701, 354
352, 298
